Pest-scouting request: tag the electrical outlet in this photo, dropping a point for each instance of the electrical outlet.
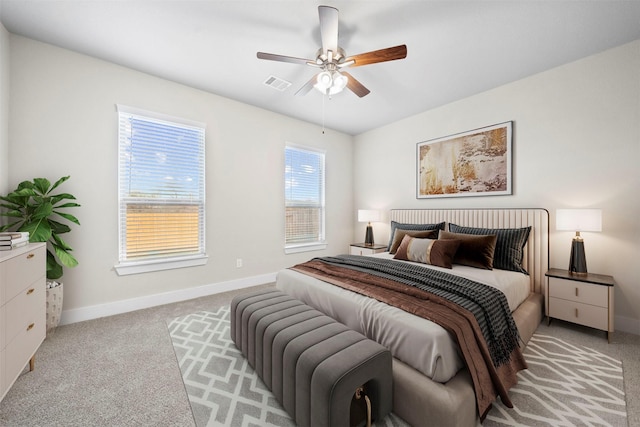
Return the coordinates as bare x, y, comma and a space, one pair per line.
238, 262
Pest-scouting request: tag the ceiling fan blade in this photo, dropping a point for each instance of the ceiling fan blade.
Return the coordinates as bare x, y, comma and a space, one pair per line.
355, 86
329, 28
307, 86
382, 55
282, 58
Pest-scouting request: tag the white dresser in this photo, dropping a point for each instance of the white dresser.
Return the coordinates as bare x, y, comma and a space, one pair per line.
22, 310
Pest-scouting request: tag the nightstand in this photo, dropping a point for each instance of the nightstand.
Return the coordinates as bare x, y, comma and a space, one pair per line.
364, 249
583, 299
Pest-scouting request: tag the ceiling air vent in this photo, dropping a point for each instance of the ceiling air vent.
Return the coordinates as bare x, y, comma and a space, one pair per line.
277, 83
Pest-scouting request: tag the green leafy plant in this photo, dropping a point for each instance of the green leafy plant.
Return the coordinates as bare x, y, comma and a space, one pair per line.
38, 211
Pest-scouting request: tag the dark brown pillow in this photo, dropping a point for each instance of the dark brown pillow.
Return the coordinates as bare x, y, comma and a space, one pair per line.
427, 251
400, 233
510, 243
475, 250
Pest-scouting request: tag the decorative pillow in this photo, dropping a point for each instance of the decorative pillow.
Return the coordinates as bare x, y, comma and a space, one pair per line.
394, 225
509, 245
400, 233
427, 251
474, 251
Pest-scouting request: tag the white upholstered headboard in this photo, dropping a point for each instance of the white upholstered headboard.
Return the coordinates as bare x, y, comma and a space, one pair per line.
536, 251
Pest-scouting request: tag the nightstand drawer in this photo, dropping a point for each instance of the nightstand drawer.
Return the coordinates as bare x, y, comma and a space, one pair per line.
361, 251
364, 249
583, 314
584, 293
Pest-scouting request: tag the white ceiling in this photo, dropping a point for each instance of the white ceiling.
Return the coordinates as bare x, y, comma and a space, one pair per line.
455, 48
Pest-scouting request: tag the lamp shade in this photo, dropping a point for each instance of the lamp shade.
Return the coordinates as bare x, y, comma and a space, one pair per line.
367, 215
579, 219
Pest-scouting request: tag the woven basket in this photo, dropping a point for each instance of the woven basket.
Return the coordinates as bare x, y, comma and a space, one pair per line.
54, 307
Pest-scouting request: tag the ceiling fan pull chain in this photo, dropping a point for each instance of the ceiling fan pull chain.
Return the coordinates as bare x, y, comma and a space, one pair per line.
323, 96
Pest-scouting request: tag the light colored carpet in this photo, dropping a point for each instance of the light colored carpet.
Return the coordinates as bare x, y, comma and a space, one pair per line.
565, 385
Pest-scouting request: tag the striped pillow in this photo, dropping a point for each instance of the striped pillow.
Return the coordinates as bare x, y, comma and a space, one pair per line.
509, 245
428, 251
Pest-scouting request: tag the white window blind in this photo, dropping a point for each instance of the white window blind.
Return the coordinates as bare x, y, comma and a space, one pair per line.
161, 187
304, 198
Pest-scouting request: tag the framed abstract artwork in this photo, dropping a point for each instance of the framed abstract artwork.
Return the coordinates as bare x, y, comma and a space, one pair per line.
472, 163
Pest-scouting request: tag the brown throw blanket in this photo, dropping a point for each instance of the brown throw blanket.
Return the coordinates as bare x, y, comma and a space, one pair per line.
489, 381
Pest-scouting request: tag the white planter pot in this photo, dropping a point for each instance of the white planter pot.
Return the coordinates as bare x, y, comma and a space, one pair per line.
54, 305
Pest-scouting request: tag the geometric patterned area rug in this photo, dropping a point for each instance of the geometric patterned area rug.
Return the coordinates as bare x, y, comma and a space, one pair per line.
222, 387
565, 385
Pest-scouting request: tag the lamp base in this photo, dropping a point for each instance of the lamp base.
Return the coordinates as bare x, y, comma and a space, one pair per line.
577, 260
368, 237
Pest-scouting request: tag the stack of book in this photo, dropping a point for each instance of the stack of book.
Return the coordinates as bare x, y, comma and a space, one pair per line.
13, 239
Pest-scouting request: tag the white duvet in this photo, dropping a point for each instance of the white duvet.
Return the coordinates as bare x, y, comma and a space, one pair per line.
418, 342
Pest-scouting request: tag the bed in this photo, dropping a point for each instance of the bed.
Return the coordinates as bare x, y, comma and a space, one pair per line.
431, 381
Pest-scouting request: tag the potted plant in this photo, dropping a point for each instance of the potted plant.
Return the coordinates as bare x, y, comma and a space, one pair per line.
32, 207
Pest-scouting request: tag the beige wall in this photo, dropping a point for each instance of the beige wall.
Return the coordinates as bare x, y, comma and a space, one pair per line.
4, 111
576, 143
63, 121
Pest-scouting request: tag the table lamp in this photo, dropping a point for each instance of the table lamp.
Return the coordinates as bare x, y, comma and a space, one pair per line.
578, 220
366, 215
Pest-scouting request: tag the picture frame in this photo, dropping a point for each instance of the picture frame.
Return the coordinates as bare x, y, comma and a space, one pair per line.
471, 163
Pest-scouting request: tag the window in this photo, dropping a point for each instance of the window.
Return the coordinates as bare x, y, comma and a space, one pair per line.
161, 192
304, 199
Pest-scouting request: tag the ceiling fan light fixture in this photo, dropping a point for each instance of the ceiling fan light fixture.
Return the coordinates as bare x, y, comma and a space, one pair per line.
331, 82
339, 81
324, 81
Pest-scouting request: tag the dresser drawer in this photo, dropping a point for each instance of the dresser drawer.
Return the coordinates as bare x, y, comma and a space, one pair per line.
23, 270
583, 314
584, 293
27, 308
3, 378
3, 327
20, 350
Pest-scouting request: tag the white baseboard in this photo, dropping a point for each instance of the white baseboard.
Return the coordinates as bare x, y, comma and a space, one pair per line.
626, 324
125, 306
623, 324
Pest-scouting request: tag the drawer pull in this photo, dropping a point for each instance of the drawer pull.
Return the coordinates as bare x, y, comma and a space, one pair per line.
577, 292
30, 327
30, 291
30, 256
576, 312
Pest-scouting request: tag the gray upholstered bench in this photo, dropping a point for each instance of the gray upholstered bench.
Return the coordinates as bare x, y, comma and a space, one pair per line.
312, 364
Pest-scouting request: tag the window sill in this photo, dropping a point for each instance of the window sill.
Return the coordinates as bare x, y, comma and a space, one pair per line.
137, 267
305, 248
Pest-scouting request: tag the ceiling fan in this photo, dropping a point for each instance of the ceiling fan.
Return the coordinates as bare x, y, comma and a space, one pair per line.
331, 59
